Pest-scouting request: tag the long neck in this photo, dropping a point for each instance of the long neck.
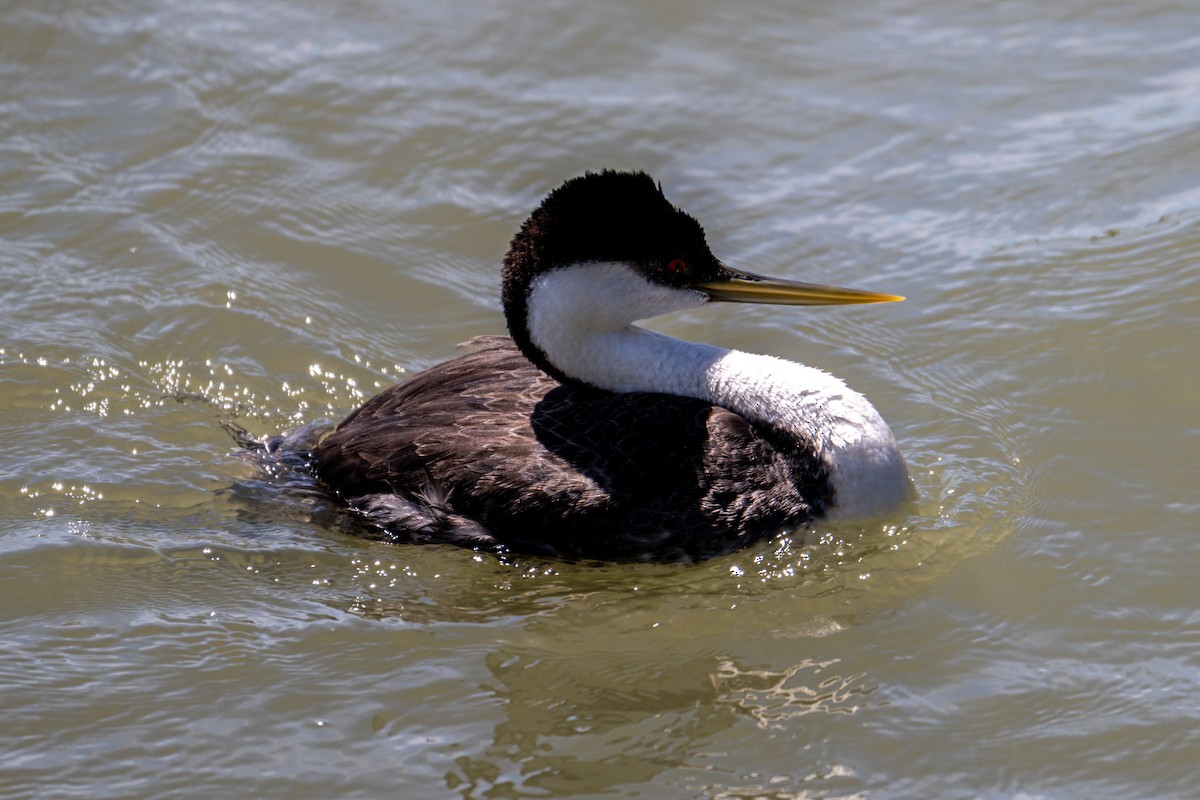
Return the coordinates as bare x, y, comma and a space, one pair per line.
806, 403
813, 407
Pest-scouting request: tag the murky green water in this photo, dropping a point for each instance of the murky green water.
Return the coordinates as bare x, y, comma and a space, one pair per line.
271, 210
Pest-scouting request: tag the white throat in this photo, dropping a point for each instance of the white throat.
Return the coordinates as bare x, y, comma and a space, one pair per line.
581, 316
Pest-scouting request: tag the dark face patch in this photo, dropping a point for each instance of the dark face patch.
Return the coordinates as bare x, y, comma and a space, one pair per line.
611, 216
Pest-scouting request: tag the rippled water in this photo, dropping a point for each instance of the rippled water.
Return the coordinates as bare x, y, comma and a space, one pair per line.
267, 212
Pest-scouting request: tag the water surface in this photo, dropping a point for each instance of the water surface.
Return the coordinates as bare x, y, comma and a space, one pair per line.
269, 212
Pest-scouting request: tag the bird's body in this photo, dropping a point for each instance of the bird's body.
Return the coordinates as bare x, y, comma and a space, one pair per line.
587, 436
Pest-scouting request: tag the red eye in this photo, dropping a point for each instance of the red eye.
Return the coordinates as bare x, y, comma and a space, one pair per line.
677, 266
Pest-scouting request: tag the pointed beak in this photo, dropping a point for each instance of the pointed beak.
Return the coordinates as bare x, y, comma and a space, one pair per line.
746, 287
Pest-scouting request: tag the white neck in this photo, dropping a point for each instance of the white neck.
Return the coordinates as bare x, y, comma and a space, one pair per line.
581, 317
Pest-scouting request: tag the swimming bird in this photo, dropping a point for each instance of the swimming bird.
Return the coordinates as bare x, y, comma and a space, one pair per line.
586, 436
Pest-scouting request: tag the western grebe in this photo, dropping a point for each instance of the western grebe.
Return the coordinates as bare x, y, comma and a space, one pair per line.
587, 436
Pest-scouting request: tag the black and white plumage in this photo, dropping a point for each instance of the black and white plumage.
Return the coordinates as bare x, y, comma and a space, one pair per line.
587, 436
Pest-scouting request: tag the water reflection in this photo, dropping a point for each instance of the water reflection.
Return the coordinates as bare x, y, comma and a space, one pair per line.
595, 722
771, 697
